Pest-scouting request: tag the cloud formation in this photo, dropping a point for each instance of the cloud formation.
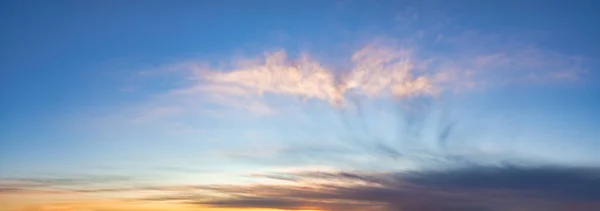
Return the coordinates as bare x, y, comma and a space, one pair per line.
488, 188
473, 188
376, 73
380, 70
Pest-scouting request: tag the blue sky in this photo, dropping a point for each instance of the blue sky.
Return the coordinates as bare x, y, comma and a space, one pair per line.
187, 90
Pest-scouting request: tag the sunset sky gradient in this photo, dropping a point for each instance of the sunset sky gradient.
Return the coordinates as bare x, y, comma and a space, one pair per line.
299, 105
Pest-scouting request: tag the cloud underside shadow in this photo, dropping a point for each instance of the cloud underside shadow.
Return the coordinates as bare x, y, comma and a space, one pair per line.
475, 188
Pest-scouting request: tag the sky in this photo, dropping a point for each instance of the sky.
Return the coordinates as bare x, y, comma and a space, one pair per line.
299, 105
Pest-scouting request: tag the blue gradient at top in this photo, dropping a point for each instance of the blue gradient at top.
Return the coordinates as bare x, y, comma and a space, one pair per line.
67, 62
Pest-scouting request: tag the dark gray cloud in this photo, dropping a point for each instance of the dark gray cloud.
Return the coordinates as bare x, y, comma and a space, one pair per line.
569, 182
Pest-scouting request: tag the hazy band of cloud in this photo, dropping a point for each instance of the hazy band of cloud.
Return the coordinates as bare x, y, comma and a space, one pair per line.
471, 188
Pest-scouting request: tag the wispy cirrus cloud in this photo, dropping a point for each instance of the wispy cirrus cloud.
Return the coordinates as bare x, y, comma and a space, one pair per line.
395, 72
489, 61
428, 57
377, 72
381, 71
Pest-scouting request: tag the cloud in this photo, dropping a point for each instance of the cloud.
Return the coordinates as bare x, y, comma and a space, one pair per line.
383, 70
487, 188
380, 70
60, 181
565, 182
62, 185
428, 58
306, 79
377, 72
472, 188
481, 60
